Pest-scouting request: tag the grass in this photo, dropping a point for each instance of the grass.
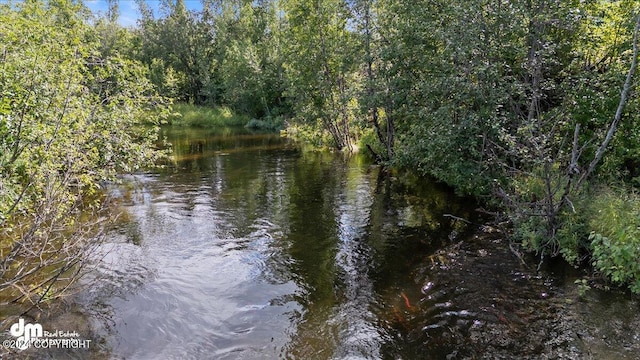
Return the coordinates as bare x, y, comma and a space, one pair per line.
205, 117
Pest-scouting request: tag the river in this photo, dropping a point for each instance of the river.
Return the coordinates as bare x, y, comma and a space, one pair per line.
248, 247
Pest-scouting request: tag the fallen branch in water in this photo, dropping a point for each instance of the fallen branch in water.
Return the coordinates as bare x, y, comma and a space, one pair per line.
517, 253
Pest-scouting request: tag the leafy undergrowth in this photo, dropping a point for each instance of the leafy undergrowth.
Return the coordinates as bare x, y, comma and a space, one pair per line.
615, 236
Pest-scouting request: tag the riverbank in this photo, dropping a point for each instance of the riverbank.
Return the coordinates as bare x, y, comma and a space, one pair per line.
266, 249
197, 116
189, 115
593, 228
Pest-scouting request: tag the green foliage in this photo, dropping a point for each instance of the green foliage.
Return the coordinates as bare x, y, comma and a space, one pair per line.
615, 237
166, 79
470, 91
369, 138
531, 232
500, 101
251, 63
321, 66
602, 224
450, 153
175, 47
583, 287
203, 116
309, 135
448, 89
228, 54
72, 117
531, 207
572, 236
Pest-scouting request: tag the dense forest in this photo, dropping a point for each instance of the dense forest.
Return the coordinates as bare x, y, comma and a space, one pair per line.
530, 106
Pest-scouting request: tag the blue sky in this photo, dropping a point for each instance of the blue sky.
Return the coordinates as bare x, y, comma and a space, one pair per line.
129, 10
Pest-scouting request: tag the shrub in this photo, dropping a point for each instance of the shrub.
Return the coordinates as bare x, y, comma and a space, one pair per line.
71, 120
309, 135
370, 138
615, 237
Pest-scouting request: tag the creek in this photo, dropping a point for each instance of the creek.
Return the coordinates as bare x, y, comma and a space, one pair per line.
248, 247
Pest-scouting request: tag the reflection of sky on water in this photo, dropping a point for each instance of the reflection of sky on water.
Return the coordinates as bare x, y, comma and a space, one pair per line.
258, 250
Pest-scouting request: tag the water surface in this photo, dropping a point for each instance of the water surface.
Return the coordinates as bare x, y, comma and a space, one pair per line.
247, 247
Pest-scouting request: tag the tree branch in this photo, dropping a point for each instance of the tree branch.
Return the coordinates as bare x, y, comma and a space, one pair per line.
623, 100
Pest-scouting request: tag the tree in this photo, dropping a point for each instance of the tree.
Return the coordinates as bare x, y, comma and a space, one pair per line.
321, 64
180, 43
376, 98
556, 150
70, 120
249, 58
444, 79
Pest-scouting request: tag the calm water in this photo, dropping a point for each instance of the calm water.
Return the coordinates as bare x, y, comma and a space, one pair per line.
246, 247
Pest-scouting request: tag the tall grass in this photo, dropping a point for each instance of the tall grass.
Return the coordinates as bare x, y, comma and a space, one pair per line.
204, 117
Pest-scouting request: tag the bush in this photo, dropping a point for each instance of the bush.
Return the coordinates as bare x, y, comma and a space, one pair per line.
604, 227
370, 138
309, 135
533, 211
615, 237
572, 237
70, 121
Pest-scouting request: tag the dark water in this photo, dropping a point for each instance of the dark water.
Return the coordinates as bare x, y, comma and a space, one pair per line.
247, 247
